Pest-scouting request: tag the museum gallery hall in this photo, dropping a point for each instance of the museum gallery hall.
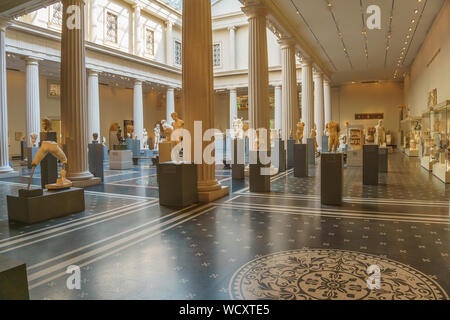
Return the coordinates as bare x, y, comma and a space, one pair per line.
224, 150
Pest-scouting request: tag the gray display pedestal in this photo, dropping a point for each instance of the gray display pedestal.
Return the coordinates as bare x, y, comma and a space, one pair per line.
95, 158
120, 160
105, 154
30, 154
238, 164
259, 181
48, 206
383, 154
177, 184
49, 166
332, 178
134, 145
370, 164
290, 153
13, 280
300, 160
311, 152
23, 148
354, 158
278, 155
325, 143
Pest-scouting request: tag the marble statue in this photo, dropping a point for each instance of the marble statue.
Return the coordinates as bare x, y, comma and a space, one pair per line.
333, 130
157, 132
177, 124
52, 148
95, 138
103, 141
300, 129
370, 135
238, 126
313, 135
119, 136
145, 136
33, 138
46, 124
167, 129
380, 134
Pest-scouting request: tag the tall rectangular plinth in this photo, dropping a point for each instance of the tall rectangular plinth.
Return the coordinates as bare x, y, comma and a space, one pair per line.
290, 153
177, 184
96, 159
278, 155
370, 164
259, 174
301, 160
332, 178
47, 206
120, 160
311, 152
13, 280
325, 143
383, 154
238, 157
49, 166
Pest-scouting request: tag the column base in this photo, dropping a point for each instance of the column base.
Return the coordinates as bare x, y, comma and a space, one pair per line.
87, 183
213, 195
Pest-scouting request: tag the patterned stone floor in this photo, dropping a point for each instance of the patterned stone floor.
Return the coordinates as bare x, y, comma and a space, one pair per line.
282, 245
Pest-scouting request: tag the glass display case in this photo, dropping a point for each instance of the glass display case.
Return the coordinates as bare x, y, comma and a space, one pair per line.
439, 126
426, 160
410, 130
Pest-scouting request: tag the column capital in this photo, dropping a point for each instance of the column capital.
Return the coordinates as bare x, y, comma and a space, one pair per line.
232, 28
234, 89
92, 72
318, 74
254, 8
307, 62
4, 24
137, 82
32, 60
169, 24
287, 42
137, 7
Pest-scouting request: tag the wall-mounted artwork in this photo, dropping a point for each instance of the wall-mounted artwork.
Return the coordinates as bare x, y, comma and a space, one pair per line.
128, 126
54, 89
369, 116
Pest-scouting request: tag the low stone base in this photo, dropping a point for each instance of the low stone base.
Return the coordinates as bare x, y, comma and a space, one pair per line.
12, 174
13, 280
177, 184
87, 183
48, 206
258, 182
413, 153
440, 171
120, 160
207, 197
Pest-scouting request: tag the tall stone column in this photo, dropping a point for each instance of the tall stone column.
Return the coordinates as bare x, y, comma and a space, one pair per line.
137, 31
4, 152
278, 108
307, 96
198, 90
233, 105
138, 111
258, 70
93, 105
73, 96
169, 43
94, 15
232, 31
170, 103
33, 99
289, 76
318, 106
327, 100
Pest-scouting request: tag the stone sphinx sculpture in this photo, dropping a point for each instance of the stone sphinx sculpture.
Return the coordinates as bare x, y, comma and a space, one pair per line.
333, 130
52, 148
300, 130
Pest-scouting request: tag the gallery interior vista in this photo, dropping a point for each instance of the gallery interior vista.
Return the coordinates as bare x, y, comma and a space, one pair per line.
224, 150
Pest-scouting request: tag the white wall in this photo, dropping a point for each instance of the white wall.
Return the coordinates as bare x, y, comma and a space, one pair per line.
424, 77
384, 97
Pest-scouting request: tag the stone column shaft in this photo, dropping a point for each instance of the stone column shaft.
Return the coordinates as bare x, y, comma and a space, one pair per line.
138, 111
307, 96
169, 43
198, 89
278, 108
318, 106
290, 116
170, 104
233, 65
327, 100
233, 106
33, 99
137, 31
73, 95
93, 105
4, 152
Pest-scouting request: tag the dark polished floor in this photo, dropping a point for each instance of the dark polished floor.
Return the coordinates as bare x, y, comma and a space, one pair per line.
282, 245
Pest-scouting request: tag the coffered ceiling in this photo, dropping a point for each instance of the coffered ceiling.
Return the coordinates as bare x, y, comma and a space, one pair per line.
337, 32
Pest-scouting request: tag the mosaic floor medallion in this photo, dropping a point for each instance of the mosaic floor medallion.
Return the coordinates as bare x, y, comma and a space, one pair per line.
312, 274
